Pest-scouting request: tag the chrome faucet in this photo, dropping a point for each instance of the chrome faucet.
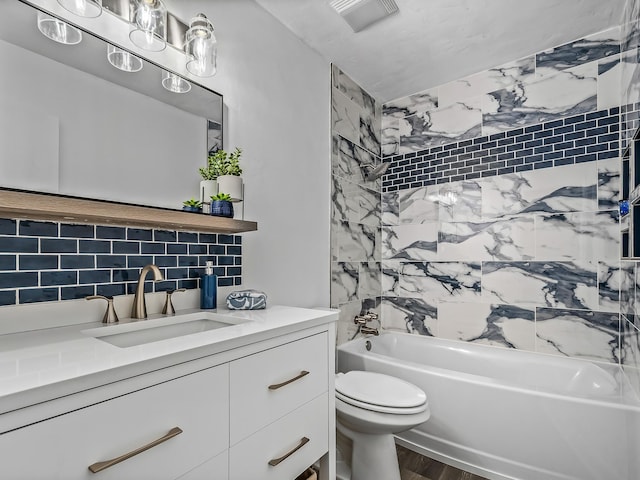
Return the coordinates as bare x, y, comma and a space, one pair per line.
369, 331
139, 308
362, 320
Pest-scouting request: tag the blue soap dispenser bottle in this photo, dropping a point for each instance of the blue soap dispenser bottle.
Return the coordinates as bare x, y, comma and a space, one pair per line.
208, 288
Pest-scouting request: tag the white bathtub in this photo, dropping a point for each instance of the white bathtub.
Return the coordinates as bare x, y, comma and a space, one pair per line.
507, 414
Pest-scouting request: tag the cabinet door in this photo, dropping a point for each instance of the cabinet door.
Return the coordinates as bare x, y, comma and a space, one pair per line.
64, 447
269, 384
284, 449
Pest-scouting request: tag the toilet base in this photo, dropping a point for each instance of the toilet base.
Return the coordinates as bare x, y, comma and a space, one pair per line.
373, 456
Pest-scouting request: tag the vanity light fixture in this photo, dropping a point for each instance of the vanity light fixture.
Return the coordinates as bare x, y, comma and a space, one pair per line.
174, 83
123, 60
57, 30
149, 25
201, 47
83, 8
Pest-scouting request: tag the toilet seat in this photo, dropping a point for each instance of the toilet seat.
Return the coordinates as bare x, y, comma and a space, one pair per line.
380, 393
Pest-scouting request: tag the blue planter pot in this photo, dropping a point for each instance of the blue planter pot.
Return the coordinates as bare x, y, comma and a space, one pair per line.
192, 209
222, 208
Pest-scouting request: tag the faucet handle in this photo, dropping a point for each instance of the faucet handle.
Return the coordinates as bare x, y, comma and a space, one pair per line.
168, 304
363, 318
110, 316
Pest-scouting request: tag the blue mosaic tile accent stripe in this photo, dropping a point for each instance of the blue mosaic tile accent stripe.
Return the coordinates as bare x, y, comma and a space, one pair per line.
48, 261
576, 139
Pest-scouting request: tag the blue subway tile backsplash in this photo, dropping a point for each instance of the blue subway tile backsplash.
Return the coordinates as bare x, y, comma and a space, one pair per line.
94, 246
7, 297
72, 293
77, 231
576, 139
139, 234
53, 245
18, 245
18, 279
59, 278
46, 229
48, 261
38, 262
115, 233
7, 262
7, 227
33, 295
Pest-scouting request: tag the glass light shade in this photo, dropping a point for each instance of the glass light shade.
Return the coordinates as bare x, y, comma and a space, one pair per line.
149, 25
174, 83
57, 30
83, 8
201, 47
123, 60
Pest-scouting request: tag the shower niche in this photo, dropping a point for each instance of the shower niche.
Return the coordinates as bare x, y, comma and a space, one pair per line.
630, 203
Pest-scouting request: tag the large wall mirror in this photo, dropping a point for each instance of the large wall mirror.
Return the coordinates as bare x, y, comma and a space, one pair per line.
72, 124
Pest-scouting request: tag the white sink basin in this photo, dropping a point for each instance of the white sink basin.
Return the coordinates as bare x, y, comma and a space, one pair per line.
139, 332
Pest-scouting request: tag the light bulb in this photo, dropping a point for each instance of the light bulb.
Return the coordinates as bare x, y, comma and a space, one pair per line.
123, 60
175, 83
149, 26
83, 8
201, 47
57, 30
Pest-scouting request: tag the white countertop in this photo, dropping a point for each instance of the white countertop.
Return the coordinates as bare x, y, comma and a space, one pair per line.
40, 365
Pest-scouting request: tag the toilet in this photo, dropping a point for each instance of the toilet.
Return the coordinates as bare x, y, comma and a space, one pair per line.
371, 407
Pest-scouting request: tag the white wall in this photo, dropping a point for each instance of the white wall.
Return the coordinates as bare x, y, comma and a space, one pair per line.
277, 94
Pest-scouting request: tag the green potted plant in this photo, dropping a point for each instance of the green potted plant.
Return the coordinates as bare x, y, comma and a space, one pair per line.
226, 167
221, 205
192, 205
208, 184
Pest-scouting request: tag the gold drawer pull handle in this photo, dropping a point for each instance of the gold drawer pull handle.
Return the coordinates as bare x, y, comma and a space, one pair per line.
276, 386
276, 461
99, 466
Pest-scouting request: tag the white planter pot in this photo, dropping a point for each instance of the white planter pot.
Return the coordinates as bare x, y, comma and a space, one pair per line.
231, 185
207, 189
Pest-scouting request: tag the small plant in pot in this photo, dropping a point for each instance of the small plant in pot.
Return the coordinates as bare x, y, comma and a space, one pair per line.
226, 167
221, 205
208, 184
192, 205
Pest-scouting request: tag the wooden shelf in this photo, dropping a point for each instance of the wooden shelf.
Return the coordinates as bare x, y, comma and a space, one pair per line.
41, 206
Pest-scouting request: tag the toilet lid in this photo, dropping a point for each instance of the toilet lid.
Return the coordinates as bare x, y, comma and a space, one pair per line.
378, 389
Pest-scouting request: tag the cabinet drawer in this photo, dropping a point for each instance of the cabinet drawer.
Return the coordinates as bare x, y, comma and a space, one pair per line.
250, 458
215, 469
63, 447
259, 388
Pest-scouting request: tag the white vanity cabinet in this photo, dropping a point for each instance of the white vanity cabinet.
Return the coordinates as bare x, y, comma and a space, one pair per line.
63, 448
259, 411
279, 412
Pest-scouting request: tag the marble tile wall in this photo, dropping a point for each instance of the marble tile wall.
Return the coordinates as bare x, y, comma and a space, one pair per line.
523, 256
576, 78
526, 260
50, 261
499, 211
356, 268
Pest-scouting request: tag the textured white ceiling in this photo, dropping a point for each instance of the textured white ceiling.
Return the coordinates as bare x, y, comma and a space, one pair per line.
430, 42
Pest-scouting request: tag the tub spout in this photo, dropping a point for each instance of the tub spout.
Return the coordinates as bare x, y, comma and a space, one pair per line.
369, 330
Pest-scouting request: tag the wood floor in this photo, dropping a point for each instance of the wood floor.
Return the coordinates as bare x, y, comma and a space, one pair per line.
416, 467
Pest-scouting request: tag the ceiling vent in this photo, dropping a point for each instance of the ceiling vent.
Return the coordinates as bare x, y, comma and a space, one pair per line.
359, 14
